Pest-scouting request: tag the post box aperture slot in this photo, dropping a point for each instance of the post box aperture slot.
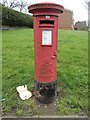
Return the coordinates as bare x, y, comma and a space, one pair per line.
47, 22
46, 37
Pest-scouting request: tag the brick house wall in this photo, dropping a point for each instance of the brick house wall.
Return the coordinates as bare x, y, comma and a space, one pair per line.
65, 20
80, 25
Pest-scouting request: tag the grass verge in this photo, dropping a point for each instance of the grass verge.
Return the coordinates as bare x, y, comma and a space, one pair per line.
72, 71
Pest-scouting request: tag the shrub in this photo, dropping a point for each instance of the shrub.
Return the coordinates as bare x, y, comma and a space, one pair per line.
14, 18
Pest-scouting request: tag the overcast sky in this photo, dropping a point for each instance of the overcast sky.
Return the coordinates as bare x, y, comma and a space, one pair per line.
80, 12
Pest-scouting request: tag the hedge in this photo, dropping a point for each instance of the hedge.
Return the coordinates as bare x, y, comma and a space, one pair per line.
14, 18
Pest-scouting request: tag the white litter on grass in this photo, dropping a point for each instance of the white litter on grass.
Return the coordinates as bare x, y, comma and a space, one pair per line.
23, 92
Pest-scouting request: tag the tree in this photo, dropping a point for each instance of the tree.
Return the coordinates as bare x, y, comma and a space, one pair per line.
87, 4
12, 3
4, 2
20, 4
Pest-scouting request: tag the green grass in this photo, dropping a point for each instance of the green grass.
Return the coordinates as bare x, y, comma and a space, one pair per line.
72, 71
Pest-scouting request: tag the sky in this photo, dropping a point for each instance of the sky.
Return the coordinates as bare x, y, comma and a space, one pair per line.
78, 7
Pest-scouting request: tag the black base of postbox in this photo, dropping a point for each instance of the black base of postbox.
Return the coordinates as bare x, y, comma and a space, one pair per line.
45, 92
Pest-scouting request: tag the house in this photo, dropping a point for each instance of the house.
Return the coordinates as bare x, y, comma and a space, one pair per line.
80, 25
66, 21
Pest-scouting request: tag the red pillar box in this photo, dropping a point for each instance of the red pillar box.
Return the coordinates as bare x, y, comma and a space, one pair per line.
45, 17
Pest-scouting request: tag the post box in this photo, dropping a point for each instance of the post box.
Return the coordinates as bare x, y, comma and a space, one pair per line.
45, 17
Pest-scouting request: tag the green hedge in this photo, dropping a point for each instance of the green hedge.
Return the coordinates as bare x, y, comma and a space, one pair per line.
14, 18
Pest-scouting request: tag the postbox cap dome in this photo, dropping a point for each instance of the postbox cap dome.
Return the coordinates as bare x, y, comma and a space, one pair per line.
44, 6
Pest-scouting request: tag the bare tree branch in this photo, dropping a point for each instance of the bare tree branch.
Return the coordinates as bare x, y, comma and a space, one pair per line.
21, 4
87, 3
4, 2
